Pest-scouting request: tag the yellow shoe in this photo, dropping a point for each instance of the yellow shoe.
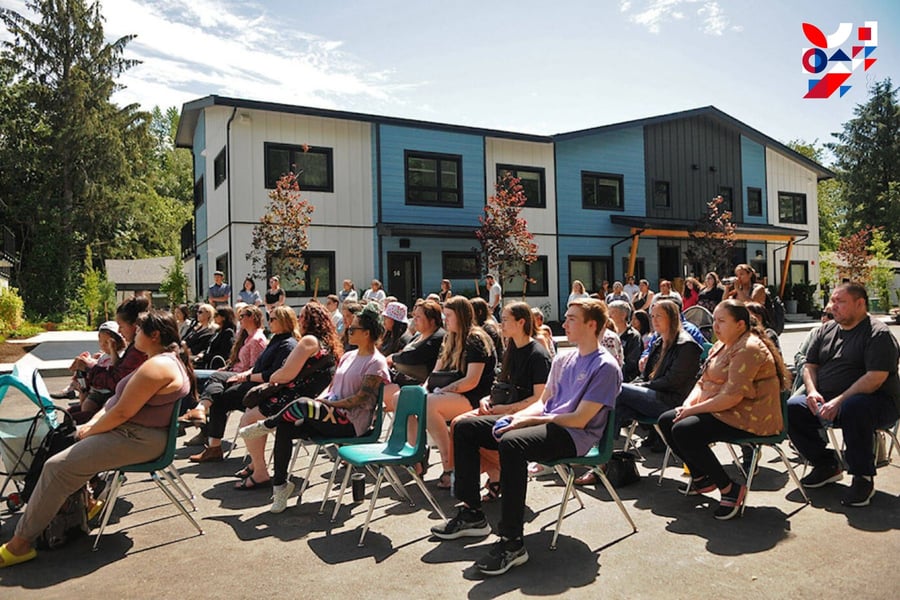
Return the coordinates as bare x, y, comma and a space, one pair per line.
95, 509
9, 559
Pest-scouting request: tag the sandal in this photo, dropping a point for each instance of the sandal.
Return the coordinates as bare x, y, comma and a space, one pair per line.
589, 478
9, 559
493, 491
248, 483
244, 473
445, 481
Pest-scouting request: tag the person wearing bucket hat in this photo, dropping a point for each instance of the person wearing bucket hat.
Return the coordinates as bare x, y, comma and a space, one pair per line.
98, 388
396, 336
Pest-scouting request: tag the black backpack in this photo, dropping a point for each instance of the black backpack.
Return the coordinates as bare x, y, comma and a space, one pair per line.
775, 312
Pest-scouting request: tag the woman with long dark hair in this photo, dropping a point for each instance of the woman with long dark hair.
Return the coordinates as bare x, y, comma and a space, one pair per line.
133, 427
712, 291
216, 354
738, 394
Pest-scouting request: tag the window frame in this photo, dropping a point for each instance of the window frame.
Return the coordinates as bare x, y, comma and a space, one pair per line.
501, 169
451, 274
618, 177
727, 197
330, 286
295, 150
793, 197
532, 289
439, 189
220, 169
750, 212
654, 190
593, 259
200, 192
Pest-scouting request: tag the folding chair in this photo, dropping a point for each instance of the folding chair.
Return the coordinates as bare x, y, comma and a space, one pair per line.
396, 451
162, 465
595, 458
629, 443
891, 431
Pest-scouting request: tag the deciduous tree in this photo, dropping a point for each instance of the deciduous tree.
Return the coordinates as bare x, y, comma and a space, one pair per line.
711, 240
507, 246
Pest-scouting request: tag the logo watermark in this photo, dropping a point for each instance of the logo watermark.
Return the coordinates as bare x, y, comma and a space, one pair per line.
834, 57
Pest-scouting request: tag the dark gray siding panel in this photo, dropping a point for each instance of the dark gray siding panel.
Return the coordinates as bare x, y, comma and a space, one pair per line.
696, 156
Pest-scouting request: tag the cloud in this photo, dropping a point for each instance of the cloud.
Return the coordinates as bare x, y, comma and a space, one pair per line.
653, 13
191, 48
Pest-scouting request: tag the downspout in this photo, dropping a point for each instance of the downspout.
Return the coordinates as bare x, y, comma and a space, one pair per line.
228, 189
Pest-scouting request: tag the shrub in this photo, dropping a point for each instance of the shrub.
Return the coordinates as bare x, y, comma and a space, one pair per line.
12, 308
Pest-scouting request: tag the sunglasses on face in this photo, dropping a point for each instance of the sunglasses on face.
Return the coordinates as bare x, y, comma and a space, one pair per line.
353, 328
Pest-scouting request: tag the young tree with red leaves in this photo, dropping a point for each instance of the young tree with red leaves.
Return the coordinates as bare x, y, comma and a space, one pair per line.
507, 247
282, 232
712, 240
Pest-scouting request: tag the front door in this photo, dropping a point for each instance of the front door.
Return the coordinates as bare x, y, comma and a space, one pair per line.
669, 263
404, 276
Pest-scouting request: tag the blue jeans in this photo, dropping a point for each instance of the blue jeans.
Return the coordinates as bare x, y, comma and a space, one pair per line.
858, 418
635, 401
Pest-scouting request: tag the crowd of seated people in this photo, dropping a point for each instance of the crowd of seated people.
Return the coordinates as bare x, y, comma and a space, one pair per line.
500, 399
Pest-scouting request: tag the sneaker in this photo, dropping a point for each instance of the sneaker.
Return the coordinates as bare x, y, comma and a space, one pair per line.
504, 555
467, 523
698, 487
823, 475
67, 394
539, 470
731, 503
255, 430
280, 496
859, 493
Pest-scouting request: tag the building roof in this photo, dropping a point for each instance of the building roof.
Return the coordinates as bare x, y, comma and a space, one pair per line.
745, 230
138, 273
190, 115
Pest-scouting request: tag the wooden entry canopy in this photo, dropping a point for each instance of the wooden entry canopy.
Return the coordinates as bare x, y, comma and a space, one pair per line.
673, 229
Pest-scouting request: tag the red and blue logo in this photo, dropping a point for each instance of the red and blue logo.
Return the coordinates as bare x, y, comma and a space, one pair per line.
834, 57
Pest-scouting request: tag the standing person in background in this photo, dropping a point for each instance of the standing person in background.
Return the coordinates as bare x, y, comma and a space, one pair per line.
618, 293
578, 292
274, 295
219, 292
374, 293
446, 292
248, 293
495, 295
630, 288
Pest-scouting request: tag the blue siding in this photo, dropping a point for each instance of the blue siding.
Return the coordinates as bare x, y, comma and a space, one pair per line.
200, 220
430, 250
395, 140
618, 152
753, 174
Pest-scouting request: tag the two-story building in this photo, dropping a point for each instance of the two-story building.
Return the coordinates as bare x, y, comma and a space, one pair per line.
399, 199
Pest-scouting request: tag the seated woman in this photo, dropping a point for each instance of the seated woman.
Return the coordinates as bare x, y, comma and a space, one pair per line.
738, 394
485, 320
413, 364
395, 337
224, 397
542, 333
216, 353
469, 352
132, 428
245, 351
307, 371
640, 320
524, 371
197, 339
345, 409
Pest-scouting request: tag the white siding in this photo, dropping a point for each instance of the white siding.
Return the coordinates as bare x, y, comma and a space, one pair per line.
525, 154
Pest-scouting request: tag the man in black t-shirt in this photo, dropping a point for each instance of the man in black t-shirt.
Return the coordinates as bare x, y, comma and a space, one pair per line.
851, 382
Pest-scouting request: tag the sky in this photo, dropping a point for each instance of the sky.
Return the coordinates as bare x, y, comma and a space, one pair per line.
526, 66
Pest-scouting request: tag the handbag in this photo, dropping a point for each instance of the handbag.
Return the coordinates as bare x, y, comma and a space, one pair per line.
504, 393
57, 439
314, 377
621, 470
261, 392
441, 379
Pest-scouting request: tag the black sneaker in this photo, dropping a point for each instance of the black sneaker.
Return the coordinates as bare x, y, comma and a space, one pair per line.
64, 395
466, 523
731, 503
823, 475
698, 487
859, 493
504, 555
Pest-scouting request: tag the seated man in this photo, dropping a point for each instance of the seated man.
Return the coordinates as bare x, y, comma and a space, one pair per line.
567, 421
851, 382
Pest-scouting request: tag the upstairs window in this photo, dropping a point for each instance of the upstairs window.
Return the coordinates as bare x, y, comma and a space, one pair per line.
220, 168
314, 166
433, 179
727, 198
602, 191
792, 208
754, 202
532, 181
661, 197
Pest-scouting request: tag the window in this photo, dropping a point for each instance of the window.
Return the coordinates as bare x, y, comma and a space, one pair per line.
639, 270
532, 181
459, 265
222, 264
592, 271
433, 179
754, 202
798, 271
199, 193
661, 197
602, 191
537, 275
727, 198
791, 207
219, 168
314, 166
319, 272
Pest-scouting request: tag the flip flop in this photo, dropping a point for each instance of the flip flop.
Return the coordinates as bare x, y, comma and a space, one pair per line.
249, 483
244, 473
9, 559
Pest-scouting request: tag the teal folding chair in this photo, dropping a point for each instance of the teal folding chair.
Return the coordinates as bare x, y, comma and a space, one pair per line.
595, 458
162, 465
629, 441
395, 452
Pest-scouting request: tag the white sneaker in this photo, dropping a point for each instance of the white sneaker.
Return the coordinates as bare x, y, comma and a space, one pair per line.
255, 430
280, 496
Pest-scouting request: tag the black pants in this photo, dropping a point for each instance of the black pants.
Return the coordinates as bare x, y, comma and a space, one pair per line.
690, 438
319, 421
225, 398
541, 443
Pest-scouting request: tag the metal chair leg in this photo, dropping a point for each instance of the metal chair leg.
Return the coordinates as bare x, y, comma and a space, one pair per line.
175, 501
115, 484
570, 484
365, 530
172, 483
415, 477
753, 460
344, 482
791, 472
615, 496
334, 470
309, 470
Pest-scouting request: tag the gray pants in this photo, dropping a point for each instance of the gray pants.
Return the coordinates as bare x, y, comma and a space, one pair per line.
64, 473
